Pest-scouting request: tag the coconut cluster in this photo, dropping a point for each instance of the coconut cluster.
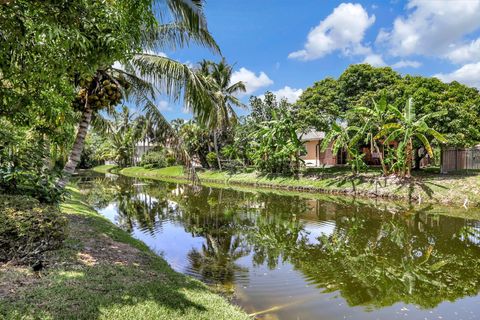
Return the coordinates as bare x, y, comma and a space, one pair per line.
99, 92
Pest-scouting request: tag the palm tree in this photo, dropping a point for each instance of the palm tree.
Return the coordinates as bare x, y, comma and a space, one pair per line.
222, 115
405, 129
146, 75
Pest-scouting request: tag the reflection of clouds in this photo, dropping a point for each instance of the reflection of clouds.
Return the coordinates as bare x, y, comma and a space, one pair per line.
316, 229
110, 212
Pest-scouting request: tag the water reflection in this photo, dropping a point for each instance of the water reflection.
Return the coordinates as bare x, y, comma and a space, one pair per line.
366, 254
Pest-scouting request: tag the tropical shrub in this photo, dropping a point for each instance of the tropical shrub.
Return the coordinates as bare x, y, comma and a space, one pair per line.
212, 160
29, 228
154, 159
171, 160
276, 147
25, 166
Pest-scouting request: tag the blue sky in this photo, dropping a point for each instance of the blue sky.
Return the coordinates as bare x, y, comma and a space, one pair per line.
284, 46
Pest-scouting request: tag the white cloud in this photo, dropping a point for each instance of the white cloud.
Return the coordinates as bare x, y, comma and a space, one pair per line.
432, 27
465, 53
158, 53
163, 106
344, 29
251, 80
468, 74
189, 64
288, 93
406, 64
375, 60
118, 65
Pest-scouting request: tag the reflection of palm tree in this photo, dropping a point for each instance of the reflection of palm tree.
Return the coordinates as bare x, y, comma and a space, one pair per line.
216, 262
272, 238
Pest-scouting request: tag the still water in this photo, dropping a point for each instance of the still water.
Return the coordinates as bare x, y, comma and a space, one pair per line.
284, 256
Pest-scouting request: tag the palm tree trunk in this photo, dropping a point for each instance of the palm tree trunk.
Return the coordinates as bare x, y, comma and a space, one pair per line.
74, 157
215, 143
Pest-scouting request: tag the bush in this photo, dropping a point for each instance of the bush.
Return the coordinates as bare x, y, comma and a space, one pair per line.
154, 159
212, 160
23, 168
40, 185
28, 228
171, 161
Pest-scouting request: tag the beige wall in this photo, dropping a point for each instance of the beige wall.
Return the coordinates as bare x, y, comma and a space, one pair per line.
324, 158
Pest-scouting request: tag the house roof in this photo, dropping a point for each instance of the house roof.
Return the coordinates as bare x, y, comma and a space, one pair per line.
312, 135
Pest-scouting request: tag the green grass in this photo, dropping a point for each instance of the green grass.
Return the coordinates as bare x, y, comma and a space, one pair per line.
427, 186
104, 168
176, 172
104, 273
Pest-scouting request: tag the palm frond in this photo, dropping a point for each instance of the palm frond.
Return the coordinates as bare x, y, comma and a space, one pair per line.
101, 124
176, 80
172, 36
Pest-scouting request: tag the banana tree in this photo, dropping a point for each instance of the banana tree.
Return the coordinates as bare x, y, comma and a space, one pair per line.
405, 129
276, 146
345, 137
374, 118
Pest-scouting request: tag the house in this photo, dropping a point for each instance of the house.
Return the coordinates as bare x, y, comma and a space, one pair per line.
315, 157
142, 147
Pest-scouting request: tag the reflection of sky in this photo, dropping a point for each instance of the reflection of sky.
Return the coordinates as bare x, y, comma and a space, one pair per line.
284, 288
172, 242
110, 212
317, 228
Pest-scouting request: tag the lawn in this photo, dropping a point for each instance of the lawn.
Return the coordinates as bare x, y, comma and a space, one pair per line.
104, 168
101, 272
426, 186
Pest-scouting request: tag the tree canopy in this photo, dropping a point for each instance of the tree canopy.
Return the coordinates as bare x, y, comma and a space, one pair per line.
361, 84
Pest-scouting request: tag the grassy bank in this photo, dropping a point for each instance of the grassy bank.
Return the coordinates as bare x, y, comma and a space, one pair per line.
101, 272
424, 187
104, 168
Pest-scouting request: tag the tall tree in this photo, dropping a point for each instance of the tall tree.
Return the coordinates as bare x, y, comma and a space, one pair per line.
222, 115
148, 74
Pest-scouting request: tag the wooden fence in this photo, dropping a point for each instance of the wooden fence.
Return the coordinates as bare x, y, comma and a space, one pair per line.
460, 159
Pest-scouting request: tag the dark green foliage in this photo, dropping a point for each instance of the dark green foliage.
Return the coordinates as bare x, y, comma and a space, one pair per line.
171, 161
25, 166
154, 159
319, 105
274, 146
212, 160
361, 84
28, 228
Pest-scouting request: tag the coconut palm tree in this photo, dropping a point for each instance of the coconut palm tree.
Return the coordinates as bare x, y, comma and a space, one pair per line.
405, 129
144, 76
222, 115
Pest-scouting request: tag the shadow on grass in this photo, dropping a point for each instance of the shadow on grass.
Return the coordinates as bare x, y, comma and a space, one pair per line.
90, 292
102, 272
